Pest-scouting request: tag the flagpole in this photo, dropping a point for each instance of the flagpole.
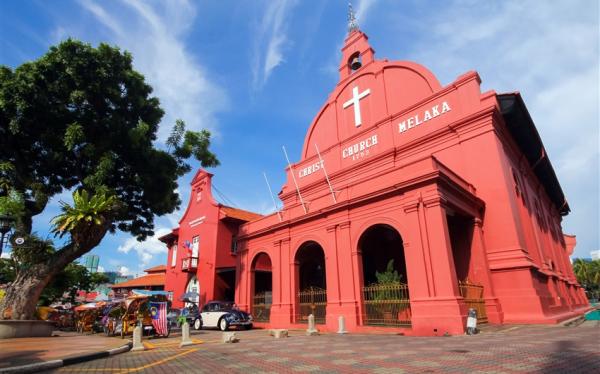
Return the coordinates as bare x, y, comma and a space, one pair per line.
272, 198
294, 179
326, 176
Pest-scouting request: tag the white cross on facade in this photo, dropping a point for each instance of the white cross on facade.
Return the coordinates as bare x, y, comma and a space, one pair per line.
355, 100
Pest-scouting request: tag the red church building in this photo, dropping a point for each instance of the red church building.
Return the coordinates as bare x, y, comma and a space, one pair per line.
411, 203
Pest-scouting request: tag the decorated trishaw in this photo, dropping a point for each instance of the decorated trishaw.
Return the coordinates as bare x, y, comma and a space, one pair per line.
112, 315
87, 317
148, 308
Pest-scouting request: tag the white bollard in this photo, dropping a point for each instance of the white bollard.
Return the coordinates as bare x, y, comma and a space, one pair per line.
229, 337
185, 335
342, 325
312, 330
137, 339
278, 333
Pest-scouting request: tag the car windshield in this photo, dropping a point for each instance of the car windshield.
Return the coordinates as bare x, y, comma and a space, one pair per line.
226, 306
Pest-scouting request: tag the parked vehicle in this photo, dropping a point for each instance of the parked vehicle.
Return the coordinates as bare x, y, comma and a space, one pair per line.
223, 315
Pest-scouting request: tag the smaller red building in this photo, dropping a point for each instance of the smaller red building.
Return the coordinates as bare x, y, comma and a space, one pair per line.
154, 280
201, 255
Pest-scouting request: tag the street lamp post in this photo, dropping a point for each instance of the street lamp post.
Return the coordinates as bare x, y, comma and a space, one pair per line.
6, 224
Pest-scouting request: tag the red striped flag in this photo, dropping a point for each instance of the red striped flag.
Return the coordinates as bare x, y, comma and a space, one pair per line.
158, 311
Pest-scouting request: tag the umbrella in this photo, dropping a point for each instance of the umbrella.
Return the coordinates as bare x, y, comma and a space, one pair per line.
189, 296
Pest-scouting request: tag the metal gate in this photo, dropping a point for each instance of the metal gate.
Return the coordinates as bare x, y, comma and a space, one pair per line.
312, 301
386, 305
261, 307
473, 295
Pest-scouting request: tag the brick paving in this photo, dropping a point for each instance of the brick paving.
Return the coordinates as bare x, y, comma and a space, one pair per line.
520, 349
23, 351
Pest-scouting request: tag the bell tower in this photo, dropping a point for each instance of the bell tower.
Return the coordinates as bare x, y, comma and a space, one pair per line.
356, 52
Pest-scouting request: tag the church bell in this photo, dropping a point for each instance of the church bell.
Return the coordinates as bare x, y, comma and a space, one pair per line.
355, 64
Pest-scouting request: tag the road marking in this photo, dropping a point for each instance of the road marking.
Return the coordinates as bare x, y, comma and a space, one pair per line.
167, 359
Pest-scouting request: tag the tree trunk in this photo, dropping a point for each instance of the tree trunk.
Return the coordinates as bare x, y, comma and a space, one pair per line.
23, 293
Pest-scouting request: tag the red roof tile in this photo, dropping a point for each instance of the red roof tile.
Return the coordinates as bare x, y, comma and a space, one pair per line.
146, 280
157, 269
240, 214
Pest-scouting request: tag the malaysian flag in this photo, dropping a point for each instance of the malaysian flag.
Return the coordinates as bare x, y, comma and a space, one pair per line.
158, 311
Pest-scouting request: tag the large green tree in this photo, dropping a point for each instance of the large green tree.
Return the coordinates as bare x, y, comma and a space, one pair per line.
82, 119
588, 276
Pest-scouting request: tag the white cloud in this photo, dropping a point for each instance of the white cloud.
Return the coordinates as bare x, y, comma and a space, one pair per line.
101, 269
153, 33
5, 255
272, 33
125, 271
147, 249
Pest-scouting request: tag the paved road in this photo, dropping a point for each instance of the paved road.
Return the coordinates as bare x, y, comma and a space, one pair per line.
518, 349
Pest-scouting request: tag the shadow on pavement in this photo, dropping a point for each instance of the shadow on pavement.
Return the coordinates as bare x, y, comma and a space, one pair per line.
567, 358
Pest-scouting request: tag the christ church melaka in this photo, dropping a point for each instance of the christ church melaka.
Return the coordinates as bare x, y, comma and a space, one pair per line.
411, 204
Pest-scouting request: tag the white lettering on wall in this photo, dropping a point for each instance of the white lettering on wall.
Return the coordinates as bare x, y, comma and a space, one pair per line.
419, 119
310, 169
360, 149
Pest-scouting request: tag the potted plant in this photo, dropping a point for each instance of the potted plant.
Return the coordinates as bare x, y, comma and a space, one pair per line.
386, 291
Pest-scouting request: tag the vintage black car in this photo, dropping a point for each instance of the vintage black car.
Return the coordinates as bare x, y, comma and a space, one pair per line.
223, 314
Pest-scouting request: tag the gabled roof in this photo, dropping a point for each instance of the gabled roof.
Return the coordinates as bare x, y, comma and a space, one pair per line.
144, 281
521, 127
239, 214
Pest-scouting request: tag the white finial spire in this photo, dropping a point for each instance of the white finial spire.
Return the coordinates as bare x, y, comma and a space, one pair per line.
352, 24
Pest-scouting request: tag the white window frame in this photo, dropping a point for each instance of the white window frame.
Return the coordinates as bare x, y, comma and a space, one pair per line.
174, 255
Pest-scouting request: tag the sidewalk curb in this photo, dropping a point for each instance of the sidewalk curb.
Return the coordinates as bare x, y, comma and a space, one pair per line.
54, 364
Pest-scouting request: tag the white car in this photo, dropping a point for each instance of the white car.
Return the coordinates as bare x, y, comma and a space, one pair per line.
223, 315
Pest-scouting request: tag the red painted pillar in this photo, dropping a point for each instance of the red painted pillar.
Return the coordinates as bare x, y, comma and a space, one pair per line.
436, 305
481, 272
341, 278
281, 309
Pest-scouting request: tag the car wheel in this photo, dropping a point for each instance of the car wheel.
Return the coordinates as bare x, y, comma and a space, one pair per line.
248, 327
198, 324
223, 324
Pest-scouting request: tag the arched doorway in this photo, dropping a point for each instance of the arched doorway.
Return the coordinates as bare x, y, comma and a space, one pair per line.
385, 282
262, 283
311, 282
193, 286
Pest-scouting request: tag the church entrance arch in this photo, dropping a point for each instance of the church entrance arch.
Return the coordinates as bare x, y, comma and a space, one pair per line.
385, 284
311, 282
262, 283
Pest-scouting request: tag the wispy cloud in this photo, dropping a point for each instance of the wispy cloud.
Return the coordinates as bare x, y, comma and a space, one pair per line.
154, 33
362, 10
271, 41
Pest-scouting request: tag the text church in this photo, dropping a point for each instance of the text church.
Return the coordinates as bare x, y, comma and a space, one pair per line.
411, 203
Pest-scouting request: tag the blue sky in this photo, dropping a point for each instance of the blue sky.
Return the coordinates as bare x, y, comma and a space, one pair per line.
256, 72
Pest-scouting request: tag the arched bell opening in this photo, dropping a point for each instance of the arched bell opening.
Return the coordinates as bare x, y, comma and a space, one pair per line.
385, 294
262, 284
311, 282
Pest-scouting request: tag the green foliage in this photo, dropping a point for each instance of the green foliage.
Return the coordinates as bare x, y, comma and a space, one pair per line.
588, 275
71, 279
389, 276
8, 270
12, 204
82, 118
85, 211
33, 251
